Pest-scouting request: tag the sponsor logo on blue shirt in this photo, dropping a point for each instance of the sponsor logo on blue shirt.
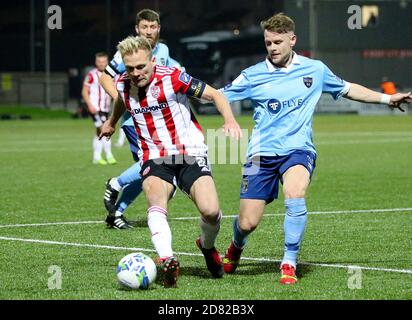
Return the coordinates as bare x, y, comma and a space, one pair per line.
274, 106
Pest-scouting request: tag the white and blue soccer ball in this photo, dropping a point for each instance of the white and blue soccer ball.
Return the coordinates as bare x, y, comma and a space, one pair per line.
136, 271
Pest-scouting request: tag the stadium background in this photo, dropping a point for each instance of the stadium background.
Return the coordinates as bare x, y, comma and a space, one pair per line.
383, 47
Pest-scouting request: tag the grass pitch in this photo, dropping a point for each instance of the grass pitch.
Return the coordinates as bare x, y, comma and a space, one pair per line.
359, 201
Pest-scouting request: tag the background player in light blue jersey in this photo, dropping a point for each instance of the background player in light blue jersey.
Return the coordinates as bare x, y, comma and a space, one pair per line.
129, 182
284, 90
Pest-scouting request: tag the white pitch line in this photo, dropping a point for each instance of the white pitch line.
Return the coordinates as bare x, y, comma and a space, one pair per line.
388, 140
48, 224
362, 211
196, 217
86, 245
317, 213
63, 149
362, 133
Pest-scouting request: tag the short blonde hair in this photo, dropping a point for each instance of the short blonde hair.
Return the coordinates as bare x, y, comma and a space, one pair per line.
279, 23
133, 44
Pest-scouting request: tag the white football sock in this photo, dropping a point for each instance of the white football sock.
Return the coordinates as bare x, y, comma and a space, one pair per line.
114, 183
209, 232
122, 137
160, 230
107, 145
97, 148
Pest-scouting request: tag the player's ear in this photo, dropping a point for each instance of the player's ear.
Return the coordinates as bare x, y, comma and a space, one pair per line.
136, 28
153, 61
293, 39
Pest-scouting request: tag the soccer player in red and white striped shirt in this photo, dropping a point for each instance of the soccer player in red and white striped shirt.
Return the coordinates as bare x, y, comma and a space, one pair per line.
98, 104
172, 147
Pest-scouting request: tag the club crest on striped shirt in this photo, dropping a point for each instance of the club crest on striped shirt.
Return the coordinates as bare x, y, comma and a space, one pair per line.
155, 91
308, 81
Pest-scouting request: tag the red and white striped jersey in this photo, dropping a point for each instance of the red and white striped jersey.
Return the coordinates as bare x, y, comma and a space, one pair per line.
164, 123
98, 96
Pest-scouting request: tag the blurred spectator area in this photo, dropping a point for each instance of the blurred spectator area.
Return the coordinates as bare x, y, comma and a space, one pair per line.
25, 88
383, 46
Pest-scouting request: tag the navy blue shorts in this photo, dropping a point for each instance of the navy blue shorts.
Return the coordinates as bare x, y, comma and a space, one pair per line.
261, 175
131, 136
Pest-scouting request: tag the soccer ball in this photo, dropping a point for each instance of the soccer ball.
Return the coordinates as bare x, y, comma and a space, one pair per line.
136, 271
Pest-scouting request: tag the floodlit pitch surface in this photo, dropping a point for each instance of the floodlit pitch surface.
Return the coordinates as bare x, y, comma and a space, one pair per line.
357, 244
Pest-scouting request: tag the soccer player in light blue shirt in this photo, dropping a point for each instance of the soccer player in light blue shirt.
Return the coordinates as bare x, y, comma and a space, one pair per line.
129, 182
284, 90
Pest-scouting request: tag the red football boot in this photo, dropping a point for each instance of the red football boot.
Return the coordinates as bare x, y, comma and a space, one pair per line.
232, 258
213, 260
287, 274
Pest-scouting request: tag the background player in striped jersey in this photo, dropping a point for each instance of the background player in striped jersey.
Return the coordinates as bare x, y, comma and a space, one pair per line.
98, 103
284, 90
129, 182
172, 147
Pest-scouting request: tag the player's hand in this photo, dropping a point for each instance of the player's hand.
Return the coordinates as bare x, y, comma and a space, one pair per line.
232, 129
398, 98
106, 130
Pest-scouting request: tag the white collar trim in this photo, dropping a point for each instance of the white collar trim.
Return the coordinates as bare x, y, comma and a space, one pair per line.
272, 68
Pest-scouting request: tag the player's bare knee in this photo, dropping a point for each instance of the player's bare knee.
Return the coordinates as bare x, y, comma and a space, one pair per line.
211, 214
156, 195
247, 225
294, 193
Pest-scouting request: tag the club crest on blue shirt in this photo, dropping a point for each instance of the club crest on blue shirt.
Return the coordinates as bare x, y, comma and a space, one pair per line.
308, 81
163, 61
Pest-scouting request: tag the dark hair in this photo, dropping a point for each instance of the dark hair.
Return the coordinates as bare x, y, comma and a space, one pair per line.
279, 23
147, 14
101, 54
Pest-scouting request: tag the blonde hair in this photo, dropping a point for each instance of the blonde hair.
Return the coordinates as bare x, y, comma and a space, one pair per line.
279, 23
133, 44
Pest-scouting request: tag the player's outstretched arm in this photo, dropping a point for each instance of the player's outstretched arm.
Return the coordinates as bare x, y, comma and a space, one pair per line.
109, 127
363, 94
107, 83
230, 127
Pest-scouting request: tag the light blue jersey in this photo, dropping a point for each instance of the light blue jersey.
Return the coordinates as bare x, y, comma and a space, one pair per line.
116, 66
284, 101
160, 51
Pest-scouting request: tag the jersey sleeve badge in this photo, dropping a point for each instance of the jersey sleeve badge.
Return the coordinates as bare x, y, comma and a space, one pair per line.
185, 78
